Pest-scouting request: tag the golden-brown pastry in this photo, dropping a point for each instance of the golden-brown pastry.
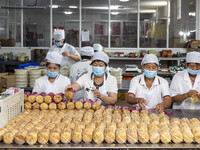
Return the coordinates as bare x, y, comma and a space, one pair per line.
61, 105
126, 118
88, 116
39, 99
96, 105
57, 98
110, 132
154, 133
66, 135
77, 132
165, 135
55, 134
117, 118
48, 99
121, 136
28, 105
36, 105
31, 98
176, 135
2, 132
70, 105
98, 135
88, 132
44, 106
53, 106
132, 135
188, 136
87, 105
78, 105
143, 135
69, 95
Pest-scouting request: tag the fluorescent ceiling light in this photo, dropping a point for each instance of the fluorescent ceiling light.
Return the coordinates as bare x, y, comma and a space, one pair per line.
181, 33
68, 12
154, 3
114, 13
54, 6
123, 0
148, 11
73, 7
114, 7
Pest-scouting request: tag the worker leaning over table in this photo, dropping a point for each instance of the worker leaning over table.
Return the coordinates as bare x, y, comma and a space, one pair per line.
70, 54
53, 81
186, 84
148, 90
82, 67
98, 84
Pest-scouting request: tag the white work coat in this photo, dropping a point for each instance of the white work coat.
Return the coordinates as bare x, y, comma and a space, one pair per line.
58, 86
181, 84
77, 70
86, 82
66, 61
154, 95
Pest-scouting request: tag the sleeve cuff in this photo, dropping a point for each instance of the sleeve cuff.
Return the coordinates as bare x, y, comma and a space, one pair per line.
166, 96
129, 93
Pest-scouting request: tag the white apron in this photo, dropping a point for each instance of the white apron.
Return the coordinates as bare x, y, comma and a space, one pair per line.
103, 91
51, 87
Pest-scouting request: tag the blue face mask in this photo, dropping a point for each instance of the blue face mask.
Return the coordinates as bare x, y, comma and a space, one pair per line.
52, 74
59, 44
150, 74
98, 71
193, 72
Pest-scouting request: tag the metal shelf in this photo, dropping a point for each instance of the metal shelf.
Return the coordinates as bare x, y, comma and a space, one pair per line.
133, 58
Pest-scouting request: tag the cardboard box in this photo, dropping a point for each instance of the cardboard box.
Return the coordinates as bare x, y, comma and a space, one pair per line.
7, 79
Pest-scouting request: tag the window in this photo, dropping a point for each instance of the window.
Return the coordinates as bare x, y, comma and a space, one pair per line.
185, 28
153, 23
95, 20
10, 23
66, 16
36, 23
124, 23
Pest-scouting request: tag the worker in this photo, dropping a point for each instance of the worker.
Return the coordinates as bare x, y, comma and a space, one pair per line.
70, 54
82, 67
186, 84
97, 48
148, 90
97, 85
53, 81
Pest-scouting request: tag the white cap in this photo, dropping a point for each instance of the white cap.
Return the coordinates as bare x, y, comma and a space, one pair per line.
98, 47
193, 57
54, 57
59, 35
149, 58
87, 51
101, 56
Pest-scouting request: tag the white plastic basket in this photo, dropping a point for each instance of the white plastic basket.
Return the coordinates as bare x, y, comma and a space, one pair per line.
10, 107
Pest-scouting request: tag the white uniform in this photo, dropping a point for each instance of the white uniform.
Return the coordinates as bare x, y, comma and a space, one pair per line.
66, 48
86, 83
181, 84
154, 95
58, 86
77, 70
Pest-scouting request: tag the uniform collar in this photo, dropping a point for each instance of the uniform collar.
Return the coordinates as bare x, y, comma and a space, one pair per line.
155, 82
187, 78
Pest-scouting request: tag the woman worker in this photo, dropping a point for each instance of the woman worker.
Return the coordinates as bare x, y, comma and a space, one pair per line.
53, 81
70, 54
186, 84
98, 84
148, 90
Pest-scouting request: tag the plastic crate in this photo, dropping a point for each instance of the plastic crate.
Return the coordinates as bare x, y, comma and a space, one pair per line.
11, 107
22, 66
